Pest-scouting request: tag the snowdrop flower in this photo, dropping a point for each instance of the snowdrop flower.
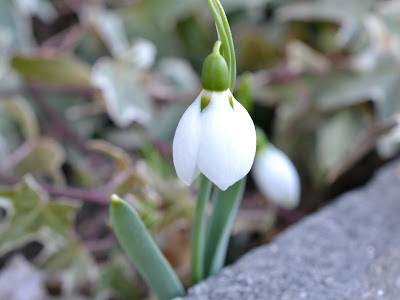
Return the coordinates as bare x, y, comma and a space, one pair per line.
275, 175
216, 135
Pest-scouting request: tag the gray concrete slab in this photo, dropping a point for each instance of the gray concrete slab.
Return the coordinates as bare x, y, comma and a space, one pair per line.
348, 250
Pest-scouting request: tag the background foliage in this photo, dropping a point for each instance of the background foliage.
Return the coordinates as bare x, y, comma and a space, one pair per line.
90, 96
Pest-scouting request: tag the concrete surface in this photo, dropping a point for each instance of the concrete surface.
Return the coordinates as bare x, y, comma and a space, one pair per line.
348, 250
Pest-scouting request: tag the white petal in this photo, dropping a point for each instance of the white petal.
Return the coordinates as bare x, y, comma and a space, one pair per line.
186, 143
228, 141
276, 177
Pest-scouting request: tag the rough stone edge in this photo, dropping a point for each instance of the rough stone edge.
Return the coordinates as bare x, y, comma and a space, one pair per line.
383, 186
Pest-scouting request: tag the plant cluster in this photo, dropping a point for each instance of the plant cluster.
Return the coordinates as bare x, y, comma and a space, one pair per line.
91, 94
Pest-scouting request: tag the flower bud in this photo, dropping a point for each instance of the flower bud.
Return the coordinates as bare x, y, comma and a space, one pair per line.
275, 175
215, 75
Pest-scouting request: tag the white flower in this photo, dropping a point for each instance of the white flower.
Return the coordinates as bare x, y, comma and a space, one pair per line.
276, 177
218, 141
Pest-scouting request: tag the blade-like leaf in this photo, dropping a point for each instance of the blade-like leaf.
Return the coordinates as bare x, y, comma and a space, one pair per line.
53, 70
23, 112
142, 250
226, 204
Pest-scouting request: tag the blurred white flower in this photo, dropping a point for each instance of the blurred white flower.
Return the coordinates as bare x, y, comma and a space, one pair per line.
215, 136
276, 177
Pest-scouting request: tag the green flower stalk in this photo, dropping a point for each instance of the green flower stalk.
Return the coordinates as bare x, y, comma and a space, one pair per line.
216, 137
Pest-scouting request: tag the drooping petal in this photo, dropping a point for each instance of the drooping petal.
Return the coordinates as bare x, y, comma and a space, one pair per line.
186, 143
245, 133
228, 141
276, 177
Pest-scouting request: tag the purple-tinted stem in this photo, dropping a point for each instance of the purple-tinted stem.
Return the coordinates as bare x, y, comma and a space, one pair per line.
68, 192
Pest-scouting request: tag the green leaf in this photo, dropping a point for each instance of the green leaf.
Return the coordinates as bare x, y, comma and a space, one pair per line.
132, 138
143, 252
115, 279
125, 99
23, 112
46, 158
146, 209
29, 213
53, 70
155, 160
344, 89
225, 206
381, 85
148, 19
244, 93
347, 13
199, 230
3, 148
59, 217
302, 58
179, 74
167, 122
73, 265
108, 25
121, 158
364, 143
336, 138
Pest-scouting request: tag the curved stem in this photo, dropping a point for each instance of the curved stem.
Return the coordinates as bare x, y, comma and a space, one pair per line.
221, 33
199, 230
229, 46
217, 46
226, 203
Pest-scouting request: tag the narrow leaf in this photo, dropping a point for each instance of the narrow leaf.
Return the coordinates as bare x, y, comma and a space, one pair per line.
23, 112
226, 204
199, 230
53, 70
143, 252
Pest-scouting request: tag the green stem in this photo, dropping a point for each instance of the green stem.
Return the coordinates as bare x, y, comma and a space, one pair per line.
226, 204
143, 251
229, 46
217, 45
222, 35
199, 230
